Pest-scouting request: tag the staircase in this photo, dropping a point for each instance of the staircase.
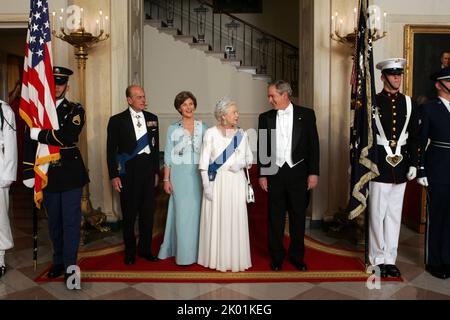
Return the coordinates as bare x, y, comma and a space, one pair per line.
253, 51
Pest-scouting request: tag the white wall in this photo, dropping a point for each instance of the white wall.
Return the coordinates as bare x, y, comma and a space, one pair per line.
172, 66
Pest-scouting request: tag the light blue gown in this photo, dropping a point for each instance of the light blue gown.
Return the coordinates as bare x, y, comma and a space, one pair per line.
181, 155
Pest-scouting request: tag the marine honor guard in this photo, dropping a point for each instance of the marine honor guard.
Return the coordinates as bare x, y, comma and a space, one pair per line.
8, 169
66, 178
434, 173
396, 121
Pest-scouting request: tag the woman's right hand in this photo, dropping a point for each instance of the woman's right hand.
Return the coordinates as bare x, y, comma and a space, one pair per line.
168, 188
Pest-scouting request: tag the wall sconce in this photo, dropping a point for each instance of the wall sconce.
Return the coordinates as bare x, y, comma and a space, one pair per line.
378, 27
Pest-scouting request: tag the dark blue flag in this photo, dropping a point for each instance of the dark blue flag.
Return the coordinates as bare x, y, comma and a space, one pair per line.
363, 156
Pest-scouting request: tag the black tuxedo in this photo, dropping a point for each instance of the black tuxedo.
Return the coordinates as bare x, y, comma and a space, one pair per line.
288, 186
137, 193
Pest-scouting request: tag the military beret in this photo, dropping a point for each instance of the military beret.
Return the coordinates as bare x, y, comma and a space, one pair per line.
393, 66
61, 75
443, 74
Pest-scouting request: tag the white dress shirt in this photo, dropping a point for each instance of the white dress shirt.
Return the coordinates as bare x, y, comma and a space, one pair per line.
140, 127
285, 120
58, 102
446, 103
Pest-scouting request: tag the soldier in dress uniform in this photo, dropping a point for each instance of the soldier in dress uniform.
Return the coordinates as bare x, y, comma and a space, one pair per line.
8, 169
396, 121
434, 174
66, 178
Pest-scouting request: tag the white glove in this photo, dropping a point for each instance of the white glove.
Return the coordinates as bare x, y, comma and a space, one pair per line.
29, 183
236, 167
412, 173
5, 183
34, 133
423, 181
207, 185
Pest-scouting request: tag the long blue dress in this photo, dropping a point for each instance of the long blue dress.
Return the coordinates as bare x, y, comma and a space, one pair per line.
181, 155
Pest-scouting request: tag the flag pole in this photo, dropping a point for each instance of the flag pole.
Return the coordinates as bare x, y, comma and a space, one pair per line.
366, 236
35, 235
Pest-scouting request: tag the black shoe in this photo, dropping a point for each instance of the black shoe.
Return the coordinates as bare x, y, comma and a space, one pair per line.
383, 271
55, 271
437, 271
149, 257
392, 271
129, 260
300, 266
2, 271
276, 266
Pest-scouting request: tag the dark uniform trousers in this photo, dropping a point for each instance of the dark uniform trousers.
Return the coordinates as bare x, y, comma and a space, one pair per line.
287, 192
64, 210
438, 225
137, 200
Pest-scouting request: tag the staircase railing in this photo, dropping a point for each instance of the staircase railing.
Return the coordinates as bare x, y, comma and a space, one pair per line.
224, 32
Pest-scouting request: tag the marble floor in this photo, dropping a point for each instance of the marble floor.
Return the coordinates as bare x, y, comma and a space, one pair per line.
18, 282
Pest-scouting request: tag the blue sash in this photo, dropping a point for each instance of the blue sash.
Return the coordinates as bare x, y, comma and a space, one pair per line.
124, 157
226, 154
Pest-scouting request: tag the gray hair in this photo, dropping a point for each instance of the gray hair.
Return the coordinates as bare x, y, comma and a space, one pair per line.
282, 87
222, 106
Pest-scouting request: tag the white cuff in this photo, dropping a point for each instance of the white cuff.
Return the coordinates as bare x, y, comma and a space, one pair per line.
34, 133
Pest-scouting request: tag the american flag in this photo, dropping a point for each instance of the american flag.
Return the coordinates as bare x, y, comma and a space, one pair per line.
363, 155
37, 105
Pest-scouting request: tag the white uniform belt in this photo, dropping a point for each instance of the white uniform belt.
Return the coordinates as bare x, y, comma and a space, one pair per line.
387, 143
440, 144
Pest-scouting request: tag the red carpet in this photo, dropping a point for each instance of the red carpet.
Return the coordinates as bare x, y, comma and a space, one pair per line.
325, 263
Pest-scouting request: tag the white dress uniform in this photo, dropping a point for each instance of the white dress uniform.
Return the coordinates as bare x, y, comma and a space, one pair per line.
8, 170
397, 137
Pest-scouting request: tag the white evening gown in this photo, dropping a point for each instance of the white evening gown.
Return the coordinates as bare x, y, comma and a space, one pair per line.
224, 242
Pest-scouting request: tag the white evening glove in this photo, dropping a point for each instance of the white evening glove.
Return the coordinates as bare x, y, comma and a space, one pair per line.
423, 181
29, 183
34, 133
412, 173
207, 185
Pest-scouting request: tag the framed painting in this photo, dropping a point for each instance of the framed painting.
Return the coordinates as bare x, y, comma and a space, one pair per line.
424, 45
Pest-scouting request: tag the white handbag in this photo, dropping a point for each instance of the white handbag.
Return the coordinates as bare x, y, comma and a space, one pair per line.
250, 192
